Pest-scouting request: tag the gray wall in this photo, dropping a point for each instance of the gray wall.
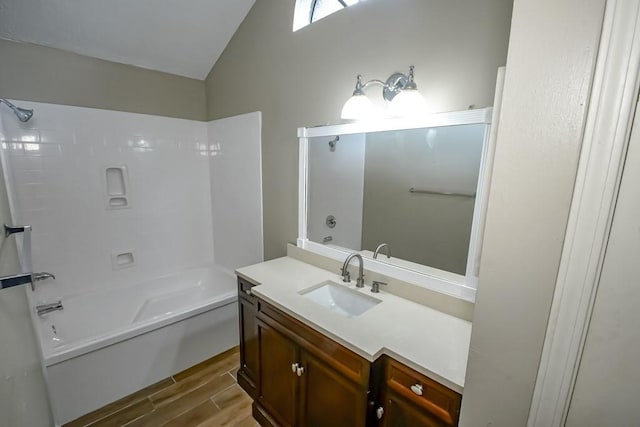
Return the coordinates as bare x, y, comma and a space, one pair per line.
303, 78
36, 73
552, 52
430, 229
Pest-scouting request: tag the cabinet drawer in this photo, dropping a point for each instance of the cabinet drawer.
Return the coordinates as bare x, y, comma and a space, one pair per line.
244, 287
437, 399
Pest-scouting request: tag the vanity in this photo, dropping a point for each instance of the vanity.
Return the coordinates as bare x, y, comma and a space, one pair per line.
406, 198
306, 365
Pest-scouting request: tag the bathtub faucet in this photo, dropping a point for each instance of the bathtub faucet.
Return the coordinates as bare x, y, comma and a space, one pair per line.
42, 276
49, 308
36, 277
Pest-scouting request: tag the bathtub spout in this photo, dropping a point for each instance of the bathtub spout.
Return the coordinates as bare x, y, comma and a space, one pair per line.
49, 308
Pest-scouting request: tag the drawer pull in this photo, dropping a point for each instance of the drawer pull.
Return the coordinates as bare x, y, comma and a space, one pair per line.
380, 412
248, 292
417, 389
294, 367
300, 371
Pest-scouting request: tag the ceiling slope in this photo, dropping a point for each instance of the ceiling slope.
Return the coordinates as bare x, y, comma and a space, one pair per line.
178, 37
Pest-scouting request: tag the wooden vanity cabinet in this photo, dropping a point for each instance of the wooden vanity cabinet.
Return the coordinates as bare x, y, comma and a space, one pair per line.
304, 378
408, 398
299, 377
247, 311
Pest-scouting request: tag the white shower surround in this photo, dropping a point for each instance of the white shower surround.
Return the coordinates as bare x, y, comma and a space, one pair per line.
54, 166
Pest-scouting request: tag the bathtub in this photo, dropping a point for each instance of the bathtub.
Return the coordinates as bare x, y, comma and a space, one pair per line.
107, 344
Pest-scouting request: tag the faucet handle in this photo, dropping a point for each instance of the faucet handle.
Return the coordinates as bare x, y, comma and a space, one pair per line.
346, 276
375, 286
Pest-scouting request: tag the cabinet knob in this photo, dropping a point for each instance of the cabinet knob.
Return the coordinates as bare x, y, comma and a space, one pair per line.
300, 371
417, 389
380, 412
294, 367
248, 292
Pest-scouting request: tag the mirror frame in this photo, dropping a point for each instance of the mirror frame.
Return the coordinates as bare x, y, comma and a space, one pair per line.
455, 285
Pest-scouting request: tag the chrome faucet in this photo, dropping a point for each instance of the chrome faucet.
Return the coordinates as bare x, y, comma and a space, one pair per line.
346, 276
42, 276
36, 277
49, 308
379, 248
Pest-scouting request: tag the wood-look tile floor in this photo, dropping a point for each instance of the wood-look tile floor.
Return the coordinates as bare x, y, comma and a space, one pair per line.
205, 395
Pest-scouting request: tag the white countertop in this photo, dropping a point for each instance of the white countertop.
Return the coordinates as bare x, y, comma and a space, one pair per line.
429, 341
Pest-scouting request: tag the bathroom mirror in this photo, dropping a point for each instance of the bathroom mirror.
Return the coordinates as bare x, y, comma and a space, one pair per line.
417, 186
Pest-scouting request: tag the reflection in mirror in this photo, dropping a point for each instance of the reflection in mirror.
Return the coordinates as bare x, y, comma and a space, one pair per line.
414, 189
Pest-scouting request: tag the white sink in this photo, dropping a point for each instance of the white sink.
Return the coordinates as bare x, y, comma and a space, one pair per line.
339, 298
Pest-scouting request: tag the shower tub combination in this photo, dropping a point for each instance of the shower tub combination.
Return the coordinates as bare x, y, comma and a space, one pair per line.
110, 343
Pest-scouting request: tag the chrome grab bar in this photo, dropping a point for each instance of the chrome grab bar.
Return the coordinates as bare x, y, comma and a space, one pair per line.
15, 280
440, 193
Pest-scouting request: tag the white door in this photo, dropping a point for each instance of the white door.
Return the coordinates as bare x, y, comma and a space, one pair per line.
607, 389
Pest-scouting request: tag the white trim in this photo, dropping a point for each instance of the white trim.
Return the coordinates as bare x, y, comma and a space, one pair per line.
609, 120
303, 178
484, 179
452, 118
259, 113
456, 285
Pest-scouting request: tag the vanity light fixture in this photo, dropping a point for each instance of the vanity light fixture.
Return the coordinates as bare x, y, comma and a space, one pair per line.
399, 90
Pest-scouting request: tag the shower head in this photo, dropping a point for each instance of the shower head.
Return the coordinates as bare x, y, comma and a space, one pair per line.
23, 114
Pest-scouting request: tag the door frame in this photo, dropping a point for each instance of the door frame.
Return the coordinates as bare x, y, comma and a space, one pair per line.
612, 104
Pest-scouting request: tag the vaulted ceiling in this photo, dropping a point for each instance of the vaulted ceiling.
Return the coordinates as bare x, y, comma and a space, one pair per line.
178, 37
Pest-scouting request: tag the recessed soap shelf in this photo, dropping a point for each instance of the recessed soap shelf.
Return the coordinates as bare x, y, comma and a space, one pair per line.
117, 186
123, 259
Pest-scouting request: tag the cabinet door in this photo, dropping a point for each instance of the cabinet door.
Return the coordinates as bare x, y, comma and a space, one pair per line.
277, 383
248, 373
328, 398
400, 413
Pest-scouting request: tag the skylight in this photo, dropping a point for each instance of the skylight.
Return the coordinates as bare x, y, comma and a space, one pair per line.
310, 11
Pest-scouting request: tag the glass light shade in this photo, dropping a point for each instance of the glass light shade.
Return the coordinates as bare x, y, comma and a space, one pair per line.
357, 107
408, 103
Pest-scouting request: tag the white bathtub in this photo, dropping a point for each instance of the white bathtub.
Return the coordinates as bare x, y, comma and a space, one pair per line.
110, 343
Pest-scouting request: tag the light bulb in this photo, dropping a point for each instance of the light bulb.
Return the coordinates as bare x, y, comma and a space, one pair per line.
408, 103
357, 107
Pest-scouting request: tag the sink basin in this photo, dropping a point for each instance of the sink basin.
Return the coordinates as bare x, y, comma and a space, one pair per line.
340, 299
